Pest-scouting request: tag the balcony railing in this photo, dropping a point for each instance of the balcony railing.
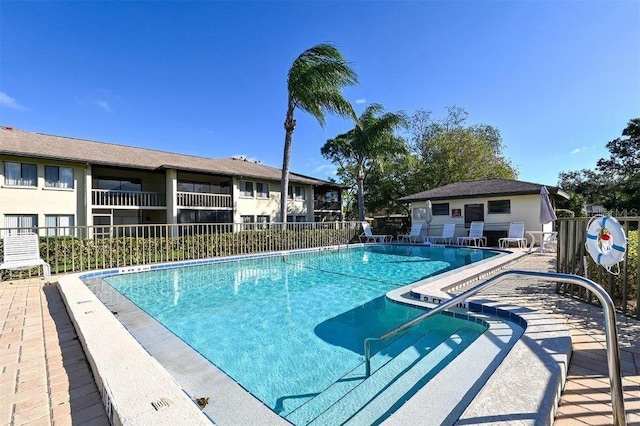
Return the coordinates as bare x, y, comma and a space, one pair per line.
319, 205
108, 198
198, 199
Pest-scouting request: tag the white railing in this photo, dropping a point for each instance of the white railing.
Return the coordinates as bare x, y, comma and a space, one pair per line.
82, 248
108, 198
198, 199
608, 311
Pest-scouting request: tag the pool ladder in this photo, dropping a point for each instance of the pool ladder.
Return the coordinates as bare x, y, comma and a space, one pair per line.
608, 310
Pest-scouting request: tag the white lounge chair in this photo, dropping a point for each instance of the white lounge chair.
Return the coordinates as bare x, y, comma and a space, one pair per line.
413, 236
515, 235
369, 237
475, 235
448, 231
22, 251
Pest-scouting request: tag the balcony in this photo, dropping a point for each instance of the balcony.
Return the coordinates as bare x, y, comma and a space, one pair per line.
109, 198
322, 205
204, 200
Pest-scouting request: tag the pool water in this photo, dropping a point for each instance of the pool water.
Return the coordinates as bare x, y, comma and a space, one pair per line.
291, 329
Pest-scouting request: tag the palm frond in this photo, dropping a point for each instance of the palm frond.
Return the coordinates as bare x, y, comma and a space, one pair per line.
316, 80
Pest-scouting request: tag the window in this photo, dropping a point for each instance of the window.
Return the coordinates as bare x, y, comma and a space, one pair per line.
58, 177
440, 209
297, 192
58, 224
20, 174
332, 196
246, 189
499, 206
262, 190
247, 221
264, 219
204, 216
115, 184
200, 187
27, 222
301, 218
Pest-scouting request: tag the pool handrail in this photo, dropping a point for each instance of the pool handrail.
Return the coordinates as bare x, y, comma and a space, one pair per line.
608, 310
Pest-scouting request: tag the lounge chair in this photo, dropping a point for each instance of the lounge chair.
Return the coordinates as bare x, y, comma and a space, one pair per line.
22, 251
515, 235
475, 235
448, 231
369, 237
413, 236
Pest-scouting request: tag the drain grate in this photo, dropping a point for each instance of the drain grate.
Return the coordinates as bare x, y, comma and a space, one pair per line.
160, 404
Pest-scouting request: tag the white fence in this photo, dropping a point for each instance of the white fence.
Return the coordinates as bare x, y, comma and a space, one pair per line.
82, 248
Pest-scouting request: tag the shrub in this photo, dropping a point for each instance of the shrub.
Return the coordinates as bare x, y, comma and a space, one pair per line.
565, 213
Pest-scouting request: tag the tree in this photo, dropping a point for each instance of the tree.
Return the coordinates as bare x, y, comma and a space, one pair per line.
450, 151
315, 82
623, 165
615, 183
392, 180
361, 148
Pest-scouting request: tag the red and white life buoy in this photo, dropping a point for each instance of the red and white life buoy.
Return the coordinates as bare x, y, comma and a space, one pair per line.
606, 242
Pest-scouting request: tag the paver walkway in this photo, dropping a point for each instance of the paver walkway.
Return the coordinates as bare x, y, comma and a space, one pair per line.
45, 378
586, 399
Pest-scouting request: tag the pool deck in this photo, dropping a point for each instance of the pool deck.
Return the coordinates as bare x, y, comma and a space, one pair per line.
45, 377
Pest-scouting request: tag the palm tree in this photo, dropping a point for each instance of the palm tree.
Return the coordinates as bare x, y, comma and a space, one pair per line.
362, 147
315, 84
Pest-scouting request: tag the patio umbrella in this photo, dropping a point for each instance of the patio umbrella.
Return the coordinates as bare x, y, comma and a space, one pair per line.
547, 214
429, 216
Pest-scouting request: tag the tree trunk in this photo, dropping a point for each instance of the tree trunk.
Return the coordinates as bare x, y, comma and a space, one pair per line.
289, 126
360, 179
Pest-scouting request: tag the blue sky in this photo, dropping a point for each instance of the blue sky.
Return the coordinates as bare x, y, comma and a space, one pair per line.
559, 79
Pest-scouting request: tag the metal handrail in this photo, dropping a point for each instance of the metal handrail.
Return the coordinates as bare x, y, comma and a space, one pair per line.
608, 310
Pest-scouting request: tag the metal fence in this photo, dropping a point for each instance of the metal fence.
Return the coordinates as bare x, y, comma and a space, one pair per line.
623, 285
82, 248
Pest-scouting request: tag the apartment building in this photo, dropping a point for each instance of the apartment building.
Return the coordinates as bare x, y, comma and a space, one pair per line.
55, 181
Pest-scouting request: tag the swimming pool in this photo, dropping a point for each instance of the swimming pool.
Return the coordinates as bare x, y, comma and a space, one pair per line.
273, 321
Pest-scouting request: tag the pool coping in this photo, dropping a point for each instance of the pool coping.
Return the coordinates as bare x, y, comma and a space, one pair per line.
155, 396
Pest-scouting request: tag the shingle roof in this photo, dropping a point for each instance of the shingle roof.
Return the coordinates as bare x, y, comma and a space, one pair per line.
481, 188
37, 145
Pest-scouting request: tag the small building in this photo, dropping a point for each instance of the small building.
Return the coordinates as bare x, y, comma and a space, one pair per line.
55, 182
496, 202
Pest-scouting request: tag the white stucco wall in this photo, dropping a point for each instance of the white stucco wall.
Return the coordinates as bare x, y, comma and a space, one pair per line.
41, 200
524, 208
270, 206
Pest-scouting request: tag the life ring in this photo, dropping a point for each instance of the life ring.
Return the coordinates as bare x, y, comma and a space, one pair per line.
606, 242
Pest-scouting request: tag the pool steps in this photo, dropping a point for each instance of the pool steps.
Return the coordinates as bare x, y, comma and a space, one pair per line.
406, 365
390, 386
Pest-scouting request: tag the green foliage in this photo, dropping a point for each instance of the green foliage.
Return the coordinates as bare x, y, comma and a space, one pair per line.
564, 213
436, 153
68, 254
615, 183
363, 148
314, 83
450, 151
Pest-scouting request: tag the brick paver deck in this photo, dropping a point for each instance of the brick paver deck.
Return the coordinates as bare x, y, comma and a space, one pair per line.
586, 399
45, 378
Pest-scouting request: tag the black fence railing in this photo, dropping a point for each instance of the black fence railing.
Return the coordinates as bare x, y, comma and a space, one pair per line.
622, 282
82, 248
